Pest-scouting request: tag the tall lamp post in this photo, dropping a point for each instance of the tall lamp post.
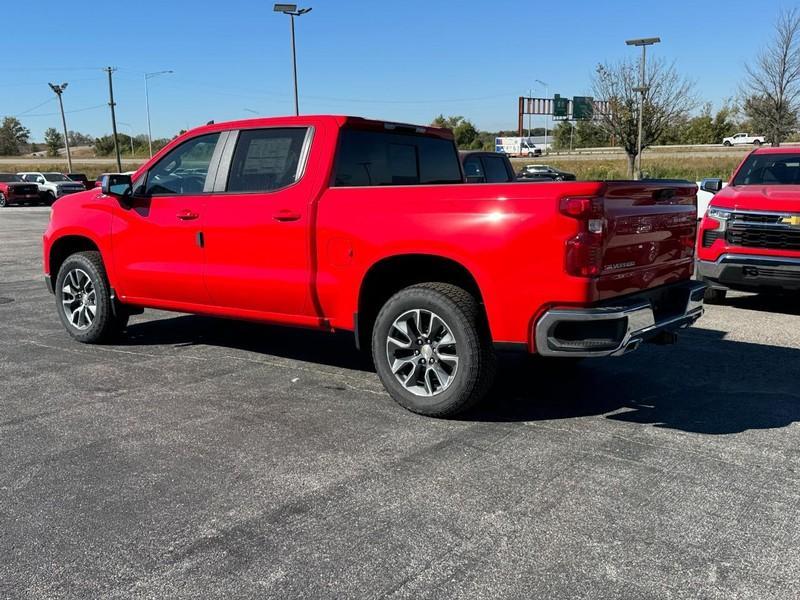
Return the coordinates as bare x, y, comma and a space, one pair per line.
148, 77
546, 117
642, 89
59, 89
292, 11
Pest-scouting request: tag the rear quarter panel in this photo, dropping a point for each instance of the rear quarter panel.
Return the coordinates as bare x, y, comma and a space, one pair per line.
510, 237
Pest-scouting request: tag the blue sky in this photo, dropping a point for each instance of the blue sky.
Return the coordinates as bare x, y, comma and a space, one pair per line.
402, 60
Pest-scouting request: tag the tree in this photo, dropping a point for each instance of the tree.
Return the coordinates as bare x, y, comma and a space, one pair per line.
76, 138
104, 145
583, 134
465, 133
772, 85
53, 140
668, 100
12, 135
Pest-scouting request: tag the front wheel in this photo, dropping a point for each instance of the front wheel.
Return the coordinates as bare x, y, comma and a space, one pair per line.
49, 199
3, 201
432, 349
83, 299
756, 142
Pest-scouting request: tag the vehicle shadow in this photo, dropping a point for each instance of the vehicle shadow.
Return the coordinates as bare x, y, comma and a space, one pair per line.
308, 345
706, 384
785, 305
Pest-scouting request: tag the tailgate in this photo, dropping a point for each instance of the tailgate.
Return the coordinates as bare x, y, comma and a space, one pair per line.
650, 229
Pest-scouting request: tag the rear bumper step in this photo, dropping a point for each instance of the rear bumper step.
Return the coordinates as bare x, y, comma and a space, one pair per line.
616, 330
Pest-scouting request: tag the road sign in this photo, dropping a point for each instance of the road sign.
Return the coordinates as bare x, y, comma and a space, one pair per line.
560, 106
582, 108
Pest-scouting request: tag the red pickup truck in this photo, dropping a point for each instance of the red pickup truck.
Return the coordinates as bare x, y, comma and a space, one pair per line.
341, 223
750, 235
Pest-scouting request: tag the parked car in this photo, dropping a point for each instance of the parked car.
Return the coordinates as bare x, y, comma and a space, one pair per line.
13, 190
82, 178
545, 172
486, 167
739, 139
52, 185
750, 235
365, 226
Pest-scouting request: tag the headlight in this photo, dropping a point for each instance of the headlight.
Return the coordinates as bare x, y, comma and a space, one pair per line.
718, 213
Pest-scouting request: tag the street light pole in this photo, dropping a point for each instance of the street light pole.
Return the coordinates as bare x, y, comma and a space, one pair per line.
292, 11
642, 89
59, 89
147, 77
112, 104
547, 116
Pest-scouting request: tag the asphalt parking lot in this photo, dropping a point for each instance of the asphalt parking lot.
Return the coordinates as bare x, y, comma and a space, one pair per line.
200, 458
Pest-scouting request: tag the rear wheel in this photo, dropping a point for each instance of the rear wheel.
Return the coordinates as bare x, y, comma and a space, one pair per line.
3, 201
83, 299
432, 349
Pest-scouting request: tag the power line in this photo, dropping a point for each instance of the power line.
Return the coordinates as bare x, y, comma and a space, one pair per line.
77, 110
34, 108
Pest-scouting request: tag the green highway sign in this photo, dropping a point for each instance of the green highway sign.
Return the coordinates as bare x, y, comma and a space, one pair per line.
582, 108
560, 107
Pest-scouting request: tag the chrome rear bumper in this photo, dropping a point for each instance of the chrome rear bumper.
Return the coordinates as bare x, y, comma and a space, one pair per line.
615, 330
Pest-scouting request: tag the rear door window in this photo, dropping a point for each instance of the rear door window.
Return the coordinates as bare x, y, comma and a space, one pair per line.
266, 159
374, 158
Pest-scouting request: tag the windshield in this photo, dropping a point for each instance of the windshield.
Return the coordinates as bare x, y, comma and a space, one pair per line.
769, 169
56, 177
9, 177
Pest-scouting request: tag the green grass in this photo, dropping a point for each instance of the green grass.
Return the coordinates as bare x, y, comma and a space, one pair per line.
692, 168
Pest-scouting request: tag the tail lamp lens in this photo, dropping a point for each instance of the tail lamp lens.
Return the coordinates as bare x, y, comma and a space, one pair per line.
585, 250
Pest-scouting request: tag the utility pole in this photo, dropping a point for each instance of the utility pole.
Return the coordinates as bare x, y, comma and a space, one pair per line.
59, 89
530, 96
642, 89
292, 11
112, 104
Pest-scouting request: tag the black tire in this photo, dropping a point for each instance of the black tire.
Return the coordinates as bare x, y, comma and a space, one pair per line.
462, 314
49, 199
756, 142
3, 201
726, 144
106, 323
715, 295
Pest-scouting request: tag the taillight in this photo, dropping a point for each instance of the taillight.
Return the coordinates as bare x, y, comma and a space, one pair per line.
585, 250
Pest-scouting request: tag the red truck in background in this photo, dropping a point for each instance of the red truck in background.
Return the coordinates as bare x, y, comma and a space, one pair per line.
342, 223
750, 235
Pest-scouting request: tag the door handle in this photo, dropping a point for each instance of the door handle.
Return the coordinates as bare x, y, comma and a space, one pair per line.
187, 215
286, 215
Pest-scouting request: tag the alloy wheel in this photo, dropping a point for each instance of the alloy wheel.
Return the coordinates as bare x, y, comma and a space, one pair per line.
79, 299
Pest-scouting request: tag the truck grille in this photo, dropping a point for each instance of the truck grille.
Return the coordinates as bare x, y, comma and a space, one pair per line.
762, 230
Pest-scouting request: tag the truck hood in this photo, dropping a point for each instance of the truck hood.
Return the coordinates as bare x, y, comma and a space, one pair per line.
775, 198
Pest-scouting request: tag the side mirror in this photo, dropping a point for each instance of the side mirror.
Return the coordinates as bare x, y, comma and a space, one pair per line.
711, 185
119, 186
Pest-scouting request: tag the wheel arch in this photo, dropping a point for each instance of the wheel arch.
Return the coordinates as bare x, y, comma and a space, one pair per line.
63, 247
390, 274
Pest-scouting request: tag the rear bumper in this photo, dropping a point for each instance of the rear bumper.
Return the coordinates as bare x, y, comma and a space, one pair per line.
614, 329
748, 272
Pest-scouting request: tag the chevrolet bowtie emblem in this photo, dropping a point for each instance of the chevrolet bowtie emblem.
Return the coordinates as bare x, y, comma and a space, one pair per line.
794, 220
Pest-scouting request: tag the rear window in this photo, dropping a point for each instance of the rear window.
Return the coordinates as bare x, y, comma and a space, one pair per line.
769, 169
372, 158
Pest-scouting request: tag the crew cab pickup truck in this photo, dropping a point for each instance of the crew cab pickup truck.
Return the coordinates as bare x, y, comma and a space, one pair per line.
15, 191
743, 139
341, 223
52, 185
750, 235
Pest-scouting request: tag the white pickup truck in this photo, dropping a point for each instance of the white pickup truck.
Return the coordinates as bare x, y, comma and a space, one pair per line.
52, 185
743, 138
